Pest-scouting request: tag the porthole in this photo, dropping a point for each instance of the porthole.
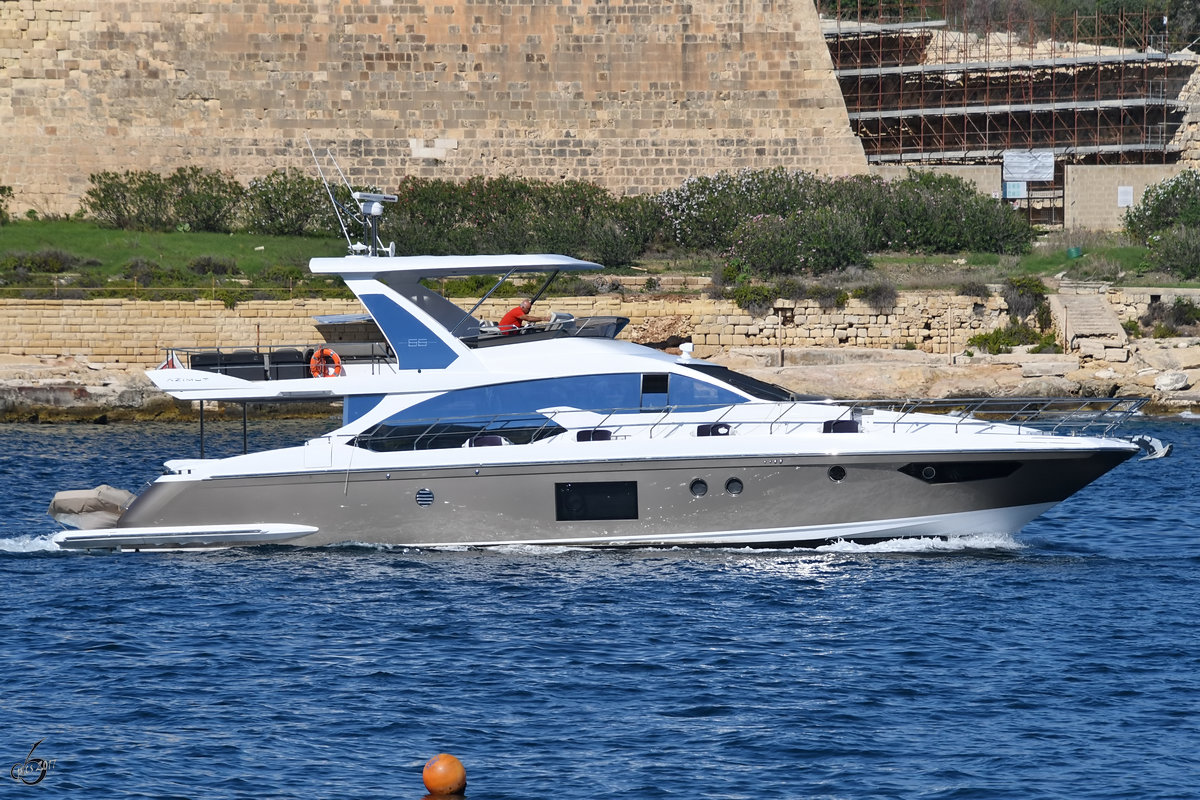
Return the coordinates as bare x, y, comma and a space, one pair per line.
928, 473
698, 488
837, 474
734, 486
424, 498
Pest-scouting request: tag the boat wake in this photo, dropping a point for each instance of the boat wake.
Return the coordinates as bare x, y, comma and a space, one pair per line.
41, 543
951, 544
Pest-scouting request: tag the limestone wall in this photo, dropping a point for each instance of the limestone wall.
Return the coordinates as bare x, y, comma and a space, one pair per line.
1092, 192
934, 322
636, 96
1132, 302
138, 332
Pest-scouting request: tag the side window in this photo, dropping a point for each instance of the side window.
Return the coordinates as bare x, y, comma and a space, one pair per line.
697, 395
655, 394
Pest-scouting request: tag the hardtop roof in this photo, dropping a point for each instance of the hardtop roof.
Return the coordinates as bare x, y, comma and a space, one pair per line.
446, 266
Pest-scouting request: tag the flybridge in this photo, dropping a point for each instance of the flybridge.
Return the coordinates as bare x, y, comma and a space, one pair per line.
449, 266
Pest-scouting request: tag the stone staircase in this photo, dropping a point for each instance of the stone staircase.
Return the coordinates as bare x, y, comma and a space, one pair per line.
1089, 324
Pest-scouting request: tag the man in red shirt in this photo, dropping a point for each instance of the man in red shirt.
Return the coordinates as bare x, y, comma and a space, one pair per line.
514, 320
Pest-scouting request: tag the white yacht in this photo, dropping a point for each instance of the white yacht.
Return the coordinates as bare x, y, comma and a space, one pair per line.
456, 434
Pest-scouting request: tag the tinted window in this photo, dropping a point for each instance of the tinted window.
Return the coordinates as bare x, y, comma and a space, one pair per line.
595, 500
751, 386
450, 419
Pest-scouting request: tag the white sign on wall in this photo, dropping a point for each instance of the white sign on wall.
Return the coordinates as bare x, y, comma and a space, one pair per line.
1028, 165
1124, 196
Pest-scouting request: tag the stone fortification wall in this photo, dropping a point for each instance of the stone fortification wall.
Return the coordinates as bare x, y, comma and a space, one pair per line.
634, 96
138, 332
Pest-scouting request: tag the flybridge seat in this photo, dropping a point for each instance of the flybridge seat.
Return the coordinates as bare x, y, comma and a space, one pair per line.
284, 363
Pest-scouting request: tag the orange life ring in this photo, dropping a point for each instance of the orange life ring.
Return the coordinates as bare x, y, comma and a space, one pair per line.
325, 364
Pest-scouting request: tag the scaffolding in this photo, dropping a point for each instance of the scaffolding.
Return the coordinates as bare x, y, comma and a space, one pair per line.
925, 86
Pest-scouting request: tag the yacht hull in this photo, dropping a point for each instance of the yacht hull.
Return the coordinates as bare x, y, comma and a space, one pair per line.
714, 501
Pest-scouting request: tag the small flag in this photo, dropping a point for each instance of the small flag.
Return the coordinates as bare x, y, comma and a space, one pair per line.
171, 362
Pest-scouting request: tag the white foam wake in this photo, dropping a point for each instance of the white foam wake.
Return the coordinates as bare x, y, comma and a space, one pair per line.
951, 544
28, 544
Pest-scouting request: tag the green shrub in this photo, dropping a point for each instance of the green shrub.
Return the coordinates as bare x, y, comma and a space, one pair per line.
50, 260
974, 289
1023, 294
1164, 331
1132, 328
142, 272
204, 200
6, 196
288, 204
754, 298
828, 296
765, 245
790, 289
929, 213
1003, 340
610, 244
1046, 344
1175, 251
879, 296
212, 265
575, 286
641, 217
830, 240
232, 296
1043, 317
1181, 313
282, 275
864, 198
1174, 202
135, 201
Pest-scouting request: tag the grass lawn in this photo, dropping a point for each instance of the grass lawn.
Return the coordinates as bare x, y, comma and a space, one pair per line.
108, 251
1103, 256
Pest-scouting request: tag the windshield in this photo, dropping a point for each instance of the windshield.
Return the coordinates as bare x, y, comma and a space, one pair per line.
751, 386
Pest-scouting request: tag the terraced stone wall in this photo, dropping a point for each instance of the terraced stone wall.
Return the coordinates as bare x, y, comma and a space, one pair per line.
138, 332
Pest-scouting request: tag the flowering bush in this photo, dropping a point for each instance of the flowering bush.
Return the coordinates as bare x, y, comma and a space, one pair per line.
705, 212
288, 204
1175, 251
1175, 201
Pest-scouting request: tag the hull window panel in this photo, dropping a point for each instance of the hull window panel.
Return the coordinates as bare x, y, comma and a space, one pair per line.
960, 471
597, 500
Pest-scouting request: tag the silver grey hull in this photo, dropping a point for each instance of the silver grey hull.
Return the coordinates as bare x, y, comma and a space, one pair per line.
743, 501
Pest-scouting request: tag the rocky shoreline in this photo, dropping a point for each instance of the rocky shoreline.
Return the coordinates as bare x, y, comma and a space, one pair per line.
1166, 371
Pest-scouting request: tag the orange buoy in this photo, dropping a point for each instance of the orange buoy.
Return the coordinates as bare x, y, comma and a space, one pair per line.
444, 774
325, 363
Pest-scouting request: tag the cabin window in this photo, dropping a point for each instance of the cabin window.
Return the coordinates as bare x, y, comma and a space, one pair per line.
655, 396
450, 419
595, 500
440, 434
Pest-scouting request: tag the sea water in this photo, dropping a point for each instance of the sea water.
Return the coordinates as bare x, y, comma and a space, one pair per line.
1063, 662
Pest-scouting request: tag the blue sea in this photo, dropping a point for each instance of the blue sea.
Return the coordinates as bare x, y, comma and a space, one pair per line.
1063, 662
